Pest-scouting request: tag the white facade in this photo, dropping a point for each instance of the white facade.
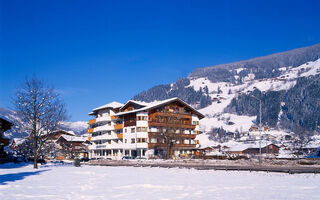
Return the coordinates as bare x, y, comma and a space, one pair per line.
112, 138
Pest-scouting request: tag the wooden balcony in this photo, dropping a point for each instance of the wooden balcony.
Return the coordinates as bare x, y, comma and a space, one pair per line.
114, 117
129, 123
90, 130
118, 126
120, 136
172, 114
153, 145
177, 125
184, 145
91, 121
4, 141
178, 135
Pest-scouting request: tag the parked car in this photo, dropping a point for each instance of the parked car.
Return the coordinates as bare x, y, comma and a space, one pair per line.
316, 155
128, 158
84, 159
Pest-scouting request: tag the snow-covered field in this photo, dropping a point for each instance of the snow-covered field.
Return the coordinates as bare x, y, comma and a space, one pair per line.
95, 182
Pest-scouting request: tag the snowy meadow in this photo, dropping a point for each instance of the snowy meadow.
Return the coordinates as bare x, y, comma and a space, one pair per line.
98, 182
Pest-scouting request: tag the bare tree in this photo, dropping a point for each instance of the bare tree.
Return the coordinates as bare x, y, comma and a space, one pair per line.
169, 133
41, 111
301, 139
24, 148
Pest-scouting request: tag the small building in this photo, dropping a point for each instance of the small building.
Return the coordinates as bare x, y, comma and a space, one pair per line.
4, 126
254, 128
252, 149
16, 142
72, 146
54, 136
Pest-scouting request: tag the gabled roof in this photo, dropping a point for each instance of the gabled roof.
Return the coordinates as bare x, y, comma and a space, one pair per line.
5, 124
66, 132
70, 138
161, 103
112, 105
242, 147
140, 103
18, 141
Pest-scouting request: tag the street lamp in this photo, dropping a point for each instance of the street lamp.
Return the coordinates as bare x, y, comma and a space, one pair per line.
260, 128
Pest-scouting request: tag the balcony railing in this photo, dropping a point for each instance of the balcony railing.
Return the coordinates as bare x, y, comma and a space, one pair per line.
171, 124
178, 135
91, 121
90, 130
129, 123
153, 145
173, 114
114, 117
118, 126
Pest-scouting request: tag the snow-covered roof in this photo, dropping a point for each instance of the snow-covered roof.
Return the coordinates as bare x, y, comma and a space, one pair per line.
70, 138
69, 132
5, 118
18, 141
141, 103
59, 130
112, 105
159, 103
243, 146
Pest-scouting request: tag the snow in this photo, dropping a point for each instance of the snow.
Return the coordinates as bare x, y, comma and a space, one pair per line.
113, 104
156, 104
78, 127
95, 182
215, 113
74, 138
240, 69
19, 141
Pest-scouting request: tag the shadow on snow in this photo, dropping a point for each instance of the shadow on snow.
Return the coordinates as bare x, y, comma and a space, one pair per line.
12, 165
17, 176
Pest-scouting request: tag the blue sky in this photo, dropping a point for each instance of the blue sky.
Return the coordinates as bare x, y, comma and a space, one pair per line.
95, 52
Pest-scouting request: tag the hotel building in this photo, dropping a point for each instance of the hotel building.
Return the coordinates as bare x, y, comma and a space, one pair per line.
162, 129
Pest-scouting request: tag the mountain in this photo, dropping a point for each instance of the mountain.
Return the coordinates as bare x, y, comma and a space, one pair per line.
79, 127
287, 83
262, 67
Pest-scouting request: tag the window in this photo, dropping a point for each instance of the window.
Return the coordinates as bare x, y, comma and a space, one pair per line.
139, 129
194, 122
125, 140
133, 130
133, 140
125, 130
143, 140
138, 140
144, 118
139, 118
